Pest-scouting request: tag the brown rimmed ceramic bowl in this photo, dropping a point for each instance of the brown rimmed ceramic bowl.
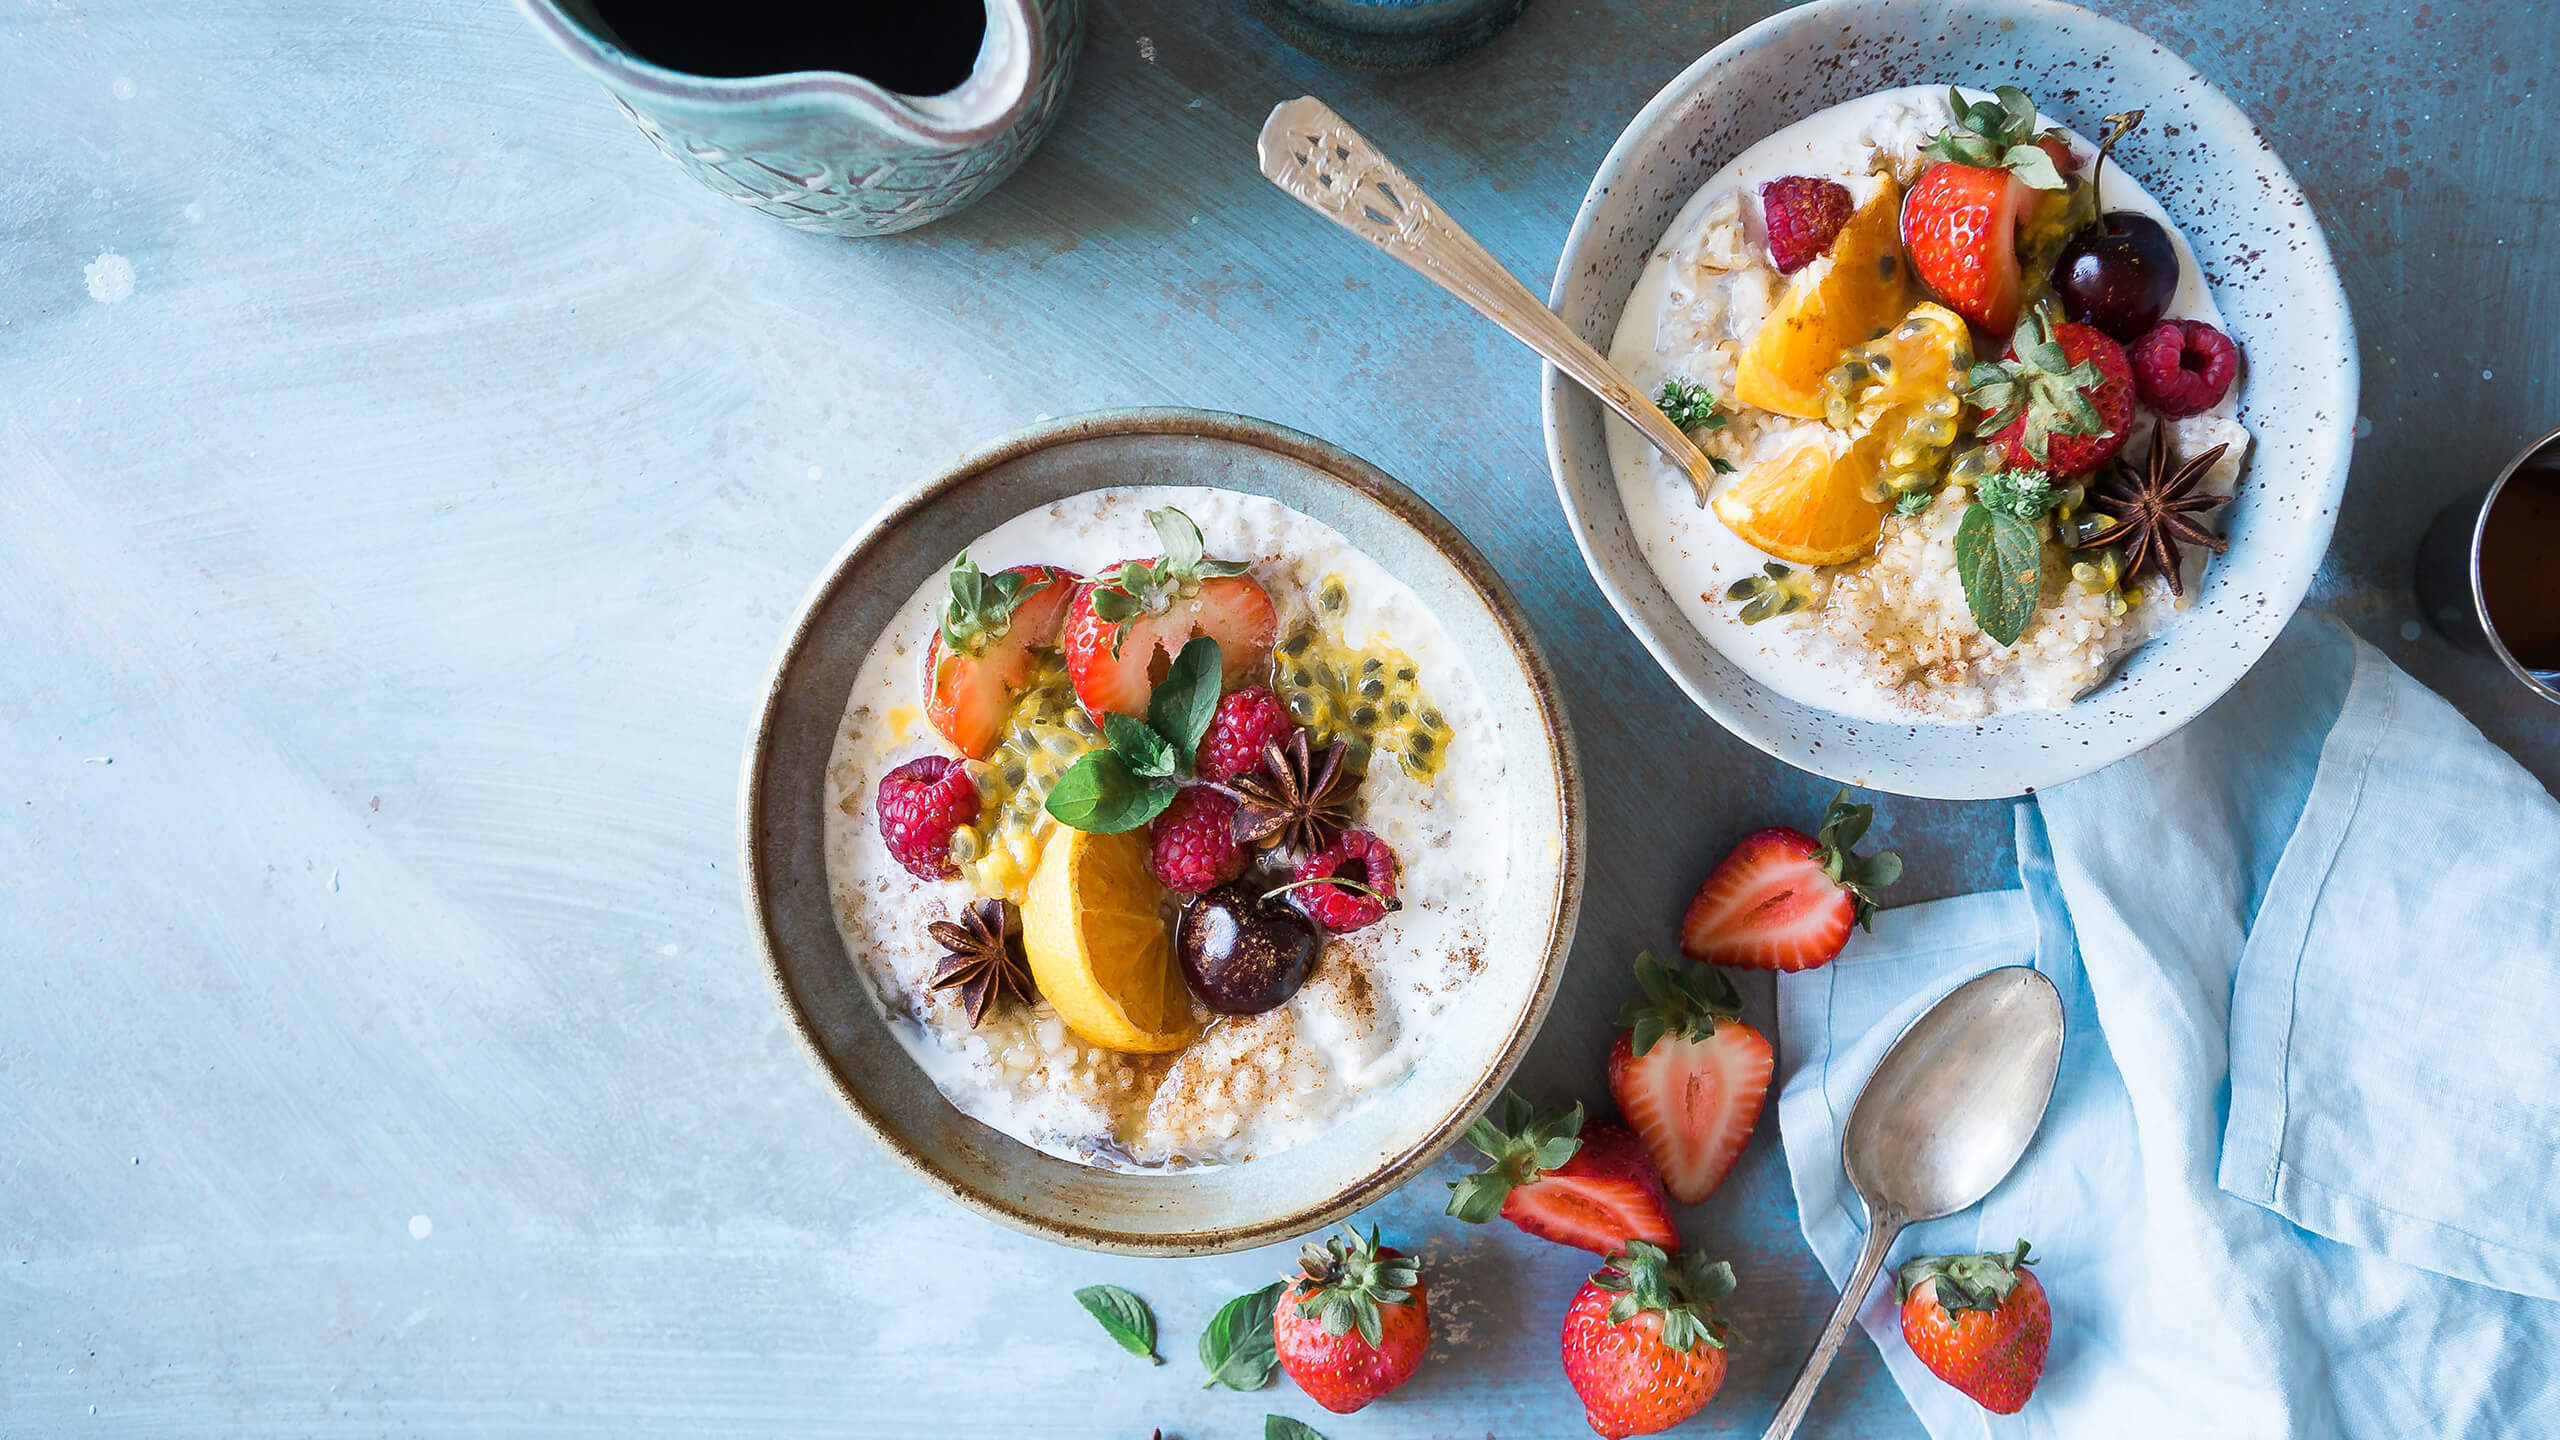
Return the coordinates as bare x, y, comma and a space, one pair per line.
790, 903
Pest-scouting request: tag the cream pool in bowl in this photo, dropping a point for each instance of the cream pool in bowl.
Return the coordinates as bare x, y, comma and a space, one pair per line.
1852, 639
982, 944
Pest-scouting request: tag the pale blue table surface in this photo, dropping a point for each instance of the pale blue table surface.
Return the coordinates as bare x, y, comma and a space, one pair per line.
385, 582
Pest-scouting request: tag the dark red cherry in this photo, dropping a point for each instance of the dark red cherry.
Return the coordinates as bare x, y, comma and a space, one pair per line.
1243, 954
2118, 274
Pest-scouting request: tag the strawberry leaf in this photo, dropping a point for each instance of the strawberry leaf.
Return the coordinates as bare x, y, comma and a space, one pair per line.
2000, 560
1524, 1146
1124, 1317
1237, 1349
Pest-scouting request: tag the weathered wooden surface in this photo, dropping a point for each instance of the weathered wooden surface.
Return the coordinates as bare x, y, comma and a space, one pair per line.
410, 524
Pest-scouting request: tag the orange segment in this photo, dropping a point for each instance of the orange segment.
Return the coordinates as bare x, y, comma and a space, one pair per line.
1808, 505
1094, 932
1848, 297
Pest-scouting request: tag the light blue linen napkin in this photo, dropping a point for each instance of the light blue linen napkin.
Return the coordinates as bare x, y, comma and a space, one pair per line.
2301, 1176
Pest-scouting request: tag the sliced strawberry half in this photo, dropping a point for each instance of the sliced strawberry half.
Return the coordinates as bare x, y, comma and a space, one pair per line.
1960, 222
1785, 900
1123, 629
1689, 1075
982, 655
1588, 1186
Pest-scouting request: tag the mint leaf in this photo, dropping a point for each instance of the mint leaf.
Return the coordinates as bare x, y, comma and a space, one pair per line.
1148, 755
1237, 1349
1184, 700
1281, 1427
1099, 794
1125, 1316
2001, 562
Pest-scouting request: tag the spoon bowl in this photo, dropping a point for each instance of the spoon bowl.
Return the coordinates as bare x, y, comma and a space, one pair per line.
1942, 1121
1953, 1104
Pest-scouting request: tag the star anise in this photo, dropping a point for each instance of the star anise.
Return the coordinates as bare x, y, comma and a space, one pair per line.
981, 963
1296, 799
2148, 512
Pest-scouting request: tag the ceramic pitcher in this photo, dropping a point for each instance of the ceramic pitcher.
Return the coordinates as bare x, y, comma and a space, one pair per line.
832, 152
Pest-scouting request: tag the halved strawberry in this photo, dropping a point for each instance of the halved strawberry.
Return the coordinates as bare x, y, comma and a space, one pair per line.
1785, 900
1123, 630
993, 627
1590, 1186
1689, 1075
1960, 222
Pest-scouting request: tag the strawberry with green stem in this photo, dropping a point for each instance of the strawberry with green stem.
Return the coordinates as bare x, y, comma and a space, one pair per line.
1643, 1344
2061, 402
984, 650
1979, 1322
1123, 629
1785, 900
1689, 1075
1960, 222
1590, 1186
1355, 1321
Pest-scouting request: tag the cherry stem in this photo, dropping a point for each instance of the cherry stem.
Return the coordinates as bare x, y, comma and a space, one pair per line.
1389, 901
2118, 127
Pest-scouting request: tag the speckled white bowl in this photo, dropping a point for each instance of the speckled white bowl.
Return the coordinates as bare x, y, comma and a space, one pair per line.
2252, 230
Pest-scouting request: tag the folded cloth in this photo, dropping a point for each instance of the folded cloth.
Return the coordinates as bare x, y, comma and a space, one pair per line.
2301, 1176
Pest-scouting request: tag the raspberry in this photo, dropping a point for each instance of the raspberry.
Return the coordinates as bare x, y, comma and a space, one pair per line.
920, 804
1195, 845
2184, 367
1246, 721
1358, 857
1803, 216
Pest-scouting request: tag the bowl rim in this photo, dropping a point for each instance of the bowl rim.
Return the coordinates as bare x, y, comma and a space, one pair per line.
1839, 763
1403, 504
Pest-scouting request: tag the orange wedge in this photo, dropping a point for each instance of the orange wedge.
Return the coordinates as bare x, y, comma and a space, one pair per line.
1808, 505
1093, 930
1851, 295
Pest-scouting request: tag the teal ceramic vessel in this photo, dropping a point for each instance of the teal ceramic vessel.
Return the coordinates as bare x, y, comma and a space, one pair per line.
835, 153
1388, 35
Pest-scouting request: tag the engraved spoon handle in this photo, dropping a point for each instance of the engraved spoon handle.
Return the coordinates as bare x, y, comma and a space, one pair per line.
1309, 151
1881, 1232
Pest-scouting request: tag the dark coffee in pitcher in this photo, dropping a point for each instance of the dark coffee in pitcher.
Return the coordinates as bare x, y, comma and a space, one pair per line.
915, 47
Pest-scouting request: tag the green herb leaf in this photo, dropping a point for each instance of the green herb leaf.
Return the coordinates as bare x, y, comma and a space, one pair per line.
1099, 794
2001, 562
1182, 703
1690, 405
1914, 503
1148, 755
2027, 494
1281, 1427
1125, 1316
1237, 1349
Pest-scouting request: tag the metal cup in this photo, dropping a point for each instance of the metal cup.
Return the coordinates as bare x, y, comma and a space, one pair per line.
2449, 569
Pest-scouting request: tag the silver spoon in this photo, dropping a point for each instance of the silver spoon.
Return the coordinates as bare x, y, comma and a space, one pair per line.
1945, 1117
1312, 153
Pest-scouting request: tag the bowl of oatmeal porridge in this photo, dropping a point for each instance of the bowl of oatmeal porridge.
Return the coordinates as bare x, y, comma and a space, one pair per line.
1835, 598
1162, 831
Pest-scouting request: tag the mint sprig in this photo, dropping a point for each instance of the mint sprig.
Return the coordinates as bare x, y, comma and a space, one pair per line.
1237, 1349
1124, 1317
1142, 763
2000, 559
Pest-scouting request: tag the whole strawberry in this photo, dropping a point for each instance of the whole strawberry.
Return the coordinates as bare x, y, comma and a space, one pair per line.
1589, 1186
1979, 1322
919, 805
1689, 1075
1643, 1344
1353, 1323
2062, 402
1785, 900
